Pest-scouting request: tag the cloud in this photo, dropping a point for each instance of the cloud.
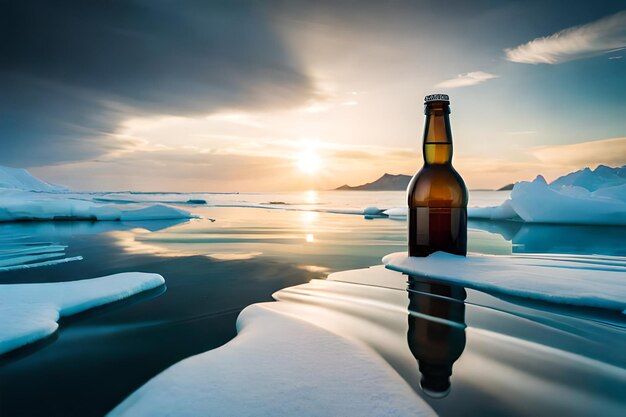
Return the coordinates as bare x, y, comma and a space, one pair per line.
465, 80
604, 35
606, 151
72, 70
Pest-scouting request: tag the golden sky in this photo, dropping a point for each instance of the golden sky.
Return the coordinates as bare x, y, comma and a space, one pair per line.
522, 104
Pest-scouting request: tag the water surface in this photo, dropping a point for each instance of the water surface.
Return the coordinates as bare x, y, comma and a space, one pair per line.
213, 269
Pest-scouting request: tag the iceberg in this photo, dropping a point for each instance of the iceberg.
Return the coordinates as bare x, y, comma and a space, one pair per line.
29, 312
592, 180
595, 197
273, 368
579, 280
396, 213
21, 179
24, 197
154, 212
25, 205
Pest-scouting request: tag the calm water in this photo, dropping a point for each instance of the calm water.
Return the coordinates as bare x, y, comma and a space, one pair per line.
514, 358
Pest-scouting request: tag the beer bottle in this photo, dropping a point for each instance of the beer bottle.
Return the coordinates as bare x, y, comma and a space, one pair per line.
437, 194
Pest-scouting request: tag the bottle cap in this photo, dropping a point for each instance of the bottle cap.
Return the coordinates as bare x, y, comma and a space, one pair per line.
436, 97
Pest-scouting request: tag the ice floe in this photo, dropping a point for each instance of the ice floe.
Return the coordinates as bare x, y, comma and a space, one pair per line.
397, 212
589, 281
595, 197
20, 179
18, 252
278, 365
24, 197
29, 312
26, 205
588, 197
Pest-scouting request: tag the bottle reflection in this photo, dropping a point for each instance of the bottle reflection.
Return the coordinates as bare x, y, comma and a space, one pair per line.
436, 333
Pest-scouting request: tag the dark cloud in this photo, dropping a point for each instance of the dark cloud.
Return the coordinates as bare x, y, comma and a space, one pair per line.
70, 71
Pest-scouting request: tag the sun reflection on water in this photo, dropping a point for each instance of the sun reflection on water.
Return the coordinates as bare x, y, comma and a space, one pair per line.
311, 197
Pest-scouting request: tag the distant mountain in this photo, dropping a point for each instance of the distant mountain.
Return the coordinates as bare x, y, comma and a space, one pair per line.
387, 182
507, 187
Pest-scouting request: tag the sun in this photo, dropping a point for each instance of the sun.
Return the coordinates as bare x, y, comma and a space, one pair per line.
309, 161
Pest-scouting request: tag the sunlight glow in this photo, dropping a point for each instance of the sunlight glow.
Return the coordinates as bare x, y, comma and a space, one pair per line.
309, 161
309, 217
310, 197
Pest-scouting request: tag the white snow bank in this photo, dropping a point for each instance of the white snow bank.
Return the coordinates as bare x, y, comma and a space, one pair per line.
590, 281
29, 312
583, 197
502, 212
23, 205
396, 212
278, 365
20, 179
24, 197
154, 212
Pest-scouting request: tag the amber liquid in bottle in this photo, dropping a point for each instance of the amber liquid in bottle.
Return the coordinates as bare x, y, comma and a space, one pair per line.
437, 195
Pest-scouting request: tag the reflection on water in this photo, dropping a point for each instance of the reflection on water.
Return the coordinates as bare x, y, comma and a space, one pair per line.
502, 356
475, 354
25, 245
549, 238
328, 241
436, 333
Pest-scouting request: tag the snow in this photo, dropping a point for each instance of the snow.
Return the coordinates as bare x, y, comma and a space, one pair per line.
29, 312
502, 212
24, 197
20, 179
581, 280
17, 251
154, 212
278, 365
595, 197
18, 205
600, 177
397, 212
31, 264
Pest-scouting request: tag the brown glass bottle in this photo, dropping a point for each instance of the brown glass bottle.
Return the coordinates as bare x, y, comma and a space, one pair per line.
436, 334
437, 195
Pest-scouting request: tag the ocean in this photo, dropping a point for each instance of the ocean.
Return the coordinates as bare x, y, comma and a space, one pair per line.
244, 248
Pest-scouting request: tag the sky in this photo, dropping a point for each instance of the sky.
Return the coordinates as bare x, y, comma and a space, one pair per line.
157, 95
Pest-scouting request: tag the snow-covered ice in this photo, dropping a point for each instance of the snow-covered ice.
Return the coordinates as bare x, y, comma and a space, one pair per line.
29, 312
17, 205
278, 365
595, 197
154, 212
589, 281
17, 252
20, 179
397, 212
24, 197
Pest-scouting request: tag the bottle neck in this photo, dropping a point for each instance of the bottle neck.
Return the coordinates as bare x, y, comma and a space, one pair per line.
437, 146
